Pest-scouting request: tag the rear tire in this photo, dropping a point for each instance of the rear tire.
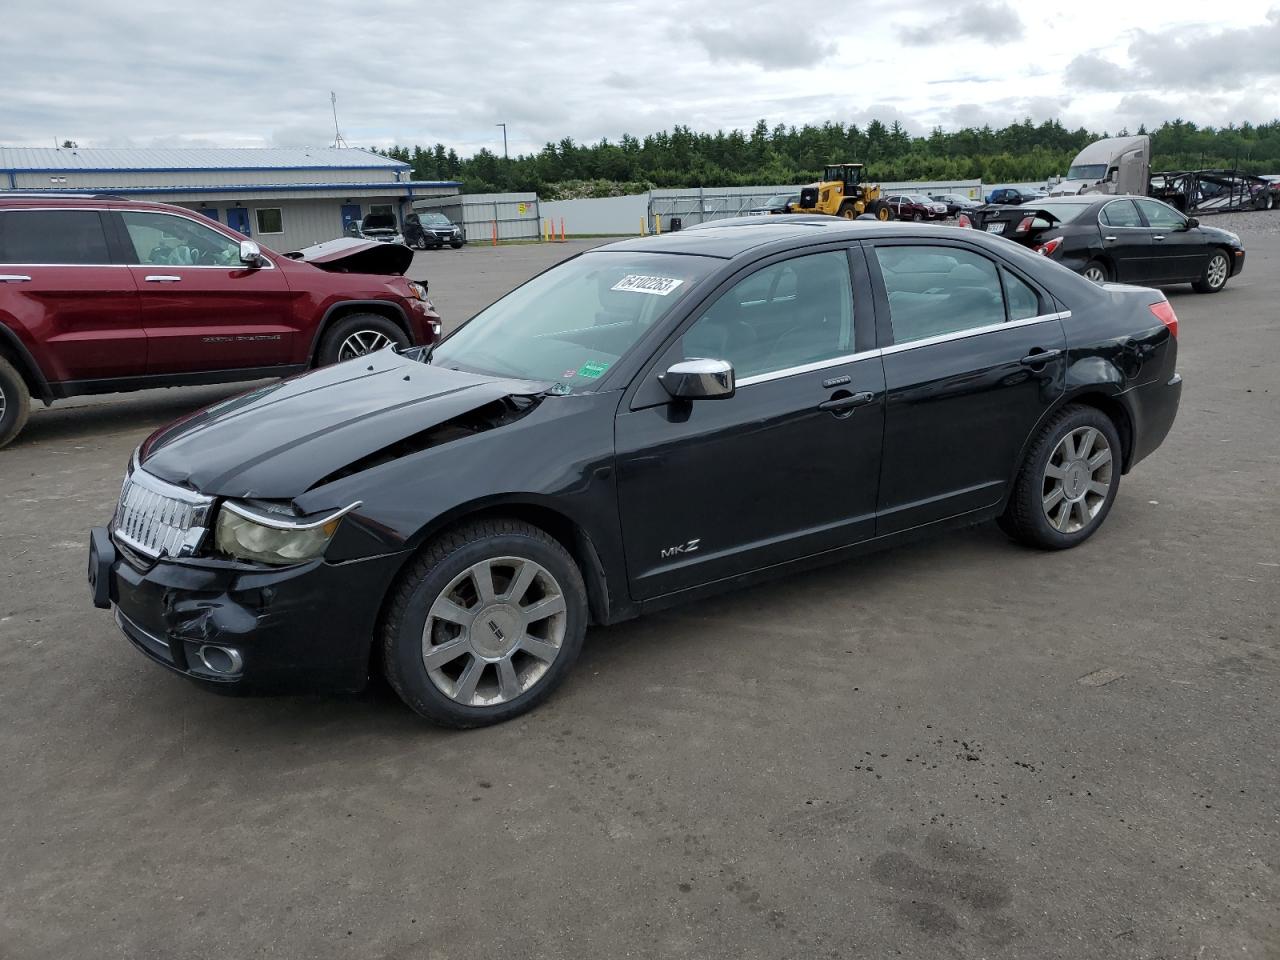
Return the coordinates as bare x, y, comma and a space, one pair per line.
458, 643
1216, 273
1097, 271
1068, 481
15, 402
358, 334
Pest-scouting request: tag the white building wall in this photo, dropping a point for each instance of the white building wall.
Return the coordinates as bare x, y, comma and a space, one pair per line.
77, 180
305, 221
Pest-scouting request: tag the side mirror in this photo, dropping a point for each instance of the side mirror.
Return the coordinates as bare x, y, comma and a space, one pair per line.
250, 253
1191, 222
699, 380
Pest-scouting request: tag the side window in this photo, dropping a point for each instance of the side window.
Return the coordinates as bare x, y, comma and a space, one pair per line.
270, 220
1160, 216
938, 290
161, 239
1023, 301
52, 236
784, 315
1120, 213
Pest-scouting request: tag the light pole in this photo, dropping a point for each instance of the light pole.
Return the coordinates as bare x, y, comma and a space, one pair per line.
505, 155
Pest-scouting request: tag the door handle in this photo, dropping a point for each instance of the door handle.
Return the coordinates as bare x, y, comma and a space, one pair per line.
162, 278
1158, 236
1037, 357
13, 278
849, 402
1109, 239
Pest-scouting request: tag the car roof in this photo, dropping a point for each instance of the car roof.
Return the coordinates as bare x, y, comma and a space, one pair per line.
733, 237
1083, 199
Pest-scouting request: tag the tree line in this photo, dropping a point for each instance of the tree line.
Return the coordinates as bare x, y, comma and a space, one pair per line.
1020, 152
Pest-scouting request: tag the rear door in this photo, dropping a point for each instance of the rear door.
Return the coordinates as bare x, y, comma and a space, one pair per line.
1178, 252
785, 468
1126, 240
58, 283
974, 355
202, 309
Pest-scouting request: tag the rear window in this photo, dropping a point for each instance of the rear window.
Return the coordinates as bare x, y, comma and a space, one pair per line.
52, 236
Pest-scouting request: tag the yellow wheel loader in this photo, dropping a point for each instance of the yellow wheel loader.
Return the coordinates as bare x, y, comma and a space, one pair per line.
841, 193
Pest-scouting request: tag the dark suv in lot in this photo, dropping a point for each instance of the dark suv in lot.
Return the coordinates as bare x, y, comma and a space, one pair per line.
99, 295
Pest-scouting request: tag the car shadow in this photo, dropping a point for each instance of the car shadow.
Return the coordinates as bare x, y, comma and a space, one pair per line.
92, 418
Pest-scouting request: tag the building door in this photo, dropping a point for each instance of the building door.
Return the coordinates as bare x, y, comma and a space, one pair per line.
238, 219
211, 213
350, 215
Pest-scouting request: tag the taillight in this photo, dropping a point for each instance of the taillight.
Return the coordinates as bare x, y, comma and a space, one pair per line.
1024, 225
1164, 313
964, 221
1049, 247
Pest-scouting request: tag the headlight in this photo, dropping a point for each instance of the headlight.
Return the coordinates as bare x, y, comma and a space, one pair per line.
254, 533
419, 290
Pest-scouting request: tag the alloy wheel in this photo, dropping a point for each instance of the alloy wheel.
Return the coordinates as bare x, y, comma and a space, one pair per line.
1077, 479
361, 342
4, 404
1217, 273
1096, 274
494, 632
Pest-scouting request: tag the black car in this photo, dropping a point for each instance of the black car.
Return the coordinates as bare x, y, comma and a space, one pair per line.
428, 230
956, 203
1127, 239
1010, 195
780, 203
650, 422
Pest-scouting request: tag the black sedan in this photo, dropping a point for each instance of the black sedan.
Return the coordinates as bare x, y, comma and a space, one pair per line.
651, 422
1125, 239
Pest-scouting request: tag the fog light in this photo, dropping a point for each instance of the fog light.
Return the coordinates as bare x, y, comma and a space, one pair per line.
225, 661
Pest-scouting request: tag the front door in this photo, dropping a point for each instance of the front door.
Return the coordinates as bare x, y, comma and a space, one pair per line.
1178, 251
59, 282
202, 308
974, 356
1126, 241
785, 468
238, 220
350, 214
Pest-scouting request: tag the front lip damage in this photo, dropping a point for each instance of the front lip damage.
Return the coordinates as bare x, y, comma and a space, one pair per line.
284, 440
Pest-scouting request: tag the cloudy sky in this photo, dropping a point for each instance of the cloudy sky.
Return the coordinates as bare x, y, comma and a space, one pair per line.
110, 73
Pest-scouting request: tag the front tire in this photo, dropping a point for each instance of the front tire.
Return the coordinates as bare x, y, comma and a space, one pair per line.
1216, 273
1068, 481
456, 244
15, 402
484, 624
358, 334
917, 217
848, 211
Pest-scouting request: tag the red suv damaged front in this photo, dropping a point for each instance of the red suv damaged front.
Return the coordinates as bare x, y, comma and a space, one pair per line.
104, 295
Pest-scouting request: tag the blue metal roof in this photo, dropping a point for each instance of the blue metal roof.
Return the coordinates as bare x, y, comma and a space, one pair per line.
384, 187
188, 159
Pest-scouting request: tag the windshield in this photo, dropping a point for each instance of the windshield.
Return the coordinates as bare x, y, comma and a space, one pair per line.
924, 200
379, 221
1065, 212
1087, 171
434, 220
781, 200
572, 323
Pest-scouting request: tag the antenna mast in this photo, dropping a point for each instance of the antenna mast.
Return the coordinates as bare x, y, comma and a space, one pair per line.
337, 134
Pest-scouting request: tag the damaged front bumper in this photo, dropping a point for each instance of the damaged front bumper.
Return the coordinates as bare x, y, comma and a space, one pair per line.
299, 629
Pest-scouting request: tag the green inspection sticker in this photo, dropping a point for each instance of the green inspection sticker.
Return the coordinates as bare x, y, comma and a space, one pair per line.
593, 369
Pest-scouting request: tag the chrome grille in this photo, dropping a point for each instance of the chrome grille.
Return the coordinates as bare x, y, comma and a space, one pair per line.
158, 519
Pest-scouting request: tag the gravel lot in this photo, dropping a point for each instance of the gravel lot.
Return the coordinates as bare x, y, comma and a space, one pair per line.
959, 749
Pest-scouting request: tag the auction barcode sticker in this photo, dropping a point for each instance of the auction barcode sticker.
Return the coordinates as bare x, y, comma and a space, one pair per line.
660, 286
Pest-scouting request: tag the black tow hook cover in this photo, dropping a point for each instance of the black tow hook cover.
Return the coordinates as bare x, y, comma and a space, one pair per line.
102, 555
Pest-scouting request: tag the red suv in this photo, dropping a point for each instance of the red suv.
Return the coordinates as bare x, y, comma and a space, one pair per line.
99, 295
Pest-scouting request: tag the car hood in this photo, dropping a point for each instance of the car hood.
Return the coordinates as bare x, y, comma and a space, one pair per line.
352, 255
280, 441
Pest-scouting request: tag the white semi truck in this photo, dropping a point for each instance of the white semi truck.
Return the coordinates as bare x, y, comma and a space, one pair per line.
1120, 165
